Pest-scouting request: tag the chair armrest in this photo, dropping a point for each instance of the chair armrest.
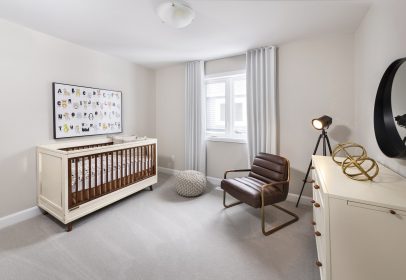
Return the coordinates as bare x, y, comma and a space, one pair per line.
237, 170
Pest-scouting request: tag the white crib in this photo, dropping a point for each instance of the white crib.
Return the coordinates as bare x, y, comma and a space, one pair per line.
75, 179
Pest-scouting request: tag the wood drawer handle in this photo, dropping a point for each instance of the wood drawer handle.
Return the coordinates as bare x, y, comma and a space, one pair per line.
316, 187
317, 233
316, 205
319, 264
393, 212
312, 201
314, 223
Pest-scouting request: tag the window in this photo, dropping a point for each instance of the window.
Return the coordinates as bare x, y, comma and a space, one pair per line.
226, 107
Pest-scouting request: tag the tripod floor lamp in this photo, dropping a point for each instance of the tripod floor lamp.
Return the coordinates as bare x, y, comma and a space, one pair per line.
322, 124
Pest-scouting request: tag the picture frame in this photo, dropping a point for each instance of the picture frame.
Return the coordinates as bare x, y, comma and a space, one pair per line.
85, 111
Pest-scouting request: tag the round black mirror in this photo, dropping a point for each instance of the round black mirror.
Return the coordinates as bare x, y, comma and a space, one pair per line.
390, 111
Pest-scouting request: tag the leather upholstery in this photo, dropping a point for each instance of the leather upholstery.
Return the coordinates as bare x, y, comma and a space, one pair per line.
266, 169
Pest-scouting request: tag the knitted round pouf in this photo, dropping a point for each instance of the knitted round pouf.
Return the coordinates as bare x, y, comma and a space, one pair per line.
190, 183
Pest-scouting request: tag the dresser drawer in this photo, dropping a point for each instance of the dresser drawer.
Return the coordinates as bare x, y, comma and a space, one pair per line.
366, 241
392, 211
321, 255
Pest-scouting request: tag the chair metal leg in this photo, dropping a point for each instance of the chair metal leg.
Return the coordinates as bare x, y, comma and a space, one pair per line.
231, 205
295, 219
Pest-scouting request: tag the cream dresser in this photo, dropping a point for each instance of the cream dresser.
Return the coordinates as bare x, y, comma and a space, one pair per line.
360, 227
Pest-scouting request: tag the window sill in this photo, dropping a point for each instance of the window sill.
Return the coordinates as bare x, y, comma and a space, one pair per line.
226, 140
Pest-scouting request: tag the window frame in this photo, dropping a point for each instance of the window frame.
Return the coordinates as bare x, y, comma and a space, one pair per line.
227, 78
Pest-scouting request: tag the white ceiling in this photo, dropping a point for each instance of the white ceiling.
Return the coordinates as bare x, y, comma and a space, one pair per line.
130, 28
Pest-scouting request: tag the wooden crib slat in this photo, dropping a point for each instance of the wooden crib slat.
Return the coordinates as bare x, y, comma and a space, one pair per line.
133, 169
152, 159
125, 167
102, 186
89, 190
120, 183
129, 167
149, 159
106, 185
116, 182
144, 159
140, 164
133, 165
70, 183
76, 183
83, 179
112, 172
155, 154
96, 171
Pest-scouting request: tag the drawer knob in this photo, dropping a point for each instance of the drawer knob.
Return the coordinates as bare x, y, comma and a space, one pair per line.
314, 223
393, 212
318, 264
316, 205
316, 187
317, 233
312, 201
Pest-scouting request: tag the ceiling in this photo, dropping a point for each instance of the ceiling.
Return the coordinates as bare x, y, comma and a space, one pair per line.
130, 28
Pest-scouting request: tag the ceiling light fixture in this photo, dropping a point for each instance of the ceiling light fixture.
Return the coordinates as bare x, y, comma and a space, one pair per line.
176, 14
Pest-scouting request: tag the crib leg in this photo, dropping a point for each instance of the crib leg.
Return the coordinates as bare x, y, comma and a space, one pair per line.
150, 188
69, 227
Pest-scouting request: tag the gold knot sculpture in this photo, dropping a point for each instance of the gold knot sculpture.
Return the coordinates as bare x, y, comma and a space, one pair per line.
356, 164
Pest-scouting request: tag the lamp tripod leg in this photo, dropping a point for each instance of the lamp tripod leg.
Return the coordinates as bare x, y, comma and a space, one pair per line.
328, 143
308, 169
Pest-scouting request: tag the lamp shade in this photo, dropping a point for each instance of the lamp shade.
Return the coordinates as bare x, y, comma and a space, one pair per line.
322, 123
175, 14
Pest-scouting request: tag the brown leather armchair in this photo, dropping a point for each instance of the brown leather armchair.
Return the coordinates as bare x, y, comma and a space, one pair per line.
266, 184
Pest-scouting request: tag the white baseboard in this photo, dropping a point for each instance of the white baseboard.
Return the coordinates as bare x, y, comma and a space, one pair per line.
306, 200
216, 182
168, 171
213, 180
19, 217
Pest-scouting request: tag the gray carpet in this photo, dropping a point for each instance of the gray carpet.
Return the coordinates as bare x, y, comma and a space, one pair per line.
159, 235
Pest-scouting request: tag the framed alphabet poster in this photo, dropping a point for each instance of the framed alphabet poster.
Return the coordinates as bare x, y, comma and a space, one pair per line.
84, 111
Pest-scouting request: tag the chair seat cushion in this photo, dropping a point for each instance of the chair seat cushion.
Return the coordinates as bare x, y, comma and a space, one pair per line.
248, 190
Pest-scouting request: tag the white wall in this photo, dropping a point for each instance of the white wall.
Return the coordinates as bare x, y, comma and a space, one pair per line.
222, 156
170, 116
29, 62
380, 39
227, 64
315, 79
170, 120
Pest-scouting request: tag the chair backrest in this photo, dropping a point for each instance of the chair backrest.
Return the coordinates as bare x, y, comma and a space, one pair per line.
270, 168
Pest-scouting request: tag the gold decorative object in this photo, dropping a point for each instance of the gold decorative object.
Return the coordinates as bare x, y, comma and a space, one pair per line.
357, 166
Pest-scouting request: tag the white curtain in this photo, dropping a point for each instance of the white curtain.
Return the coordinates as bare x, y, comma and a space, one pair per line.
195, 121
261, 101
